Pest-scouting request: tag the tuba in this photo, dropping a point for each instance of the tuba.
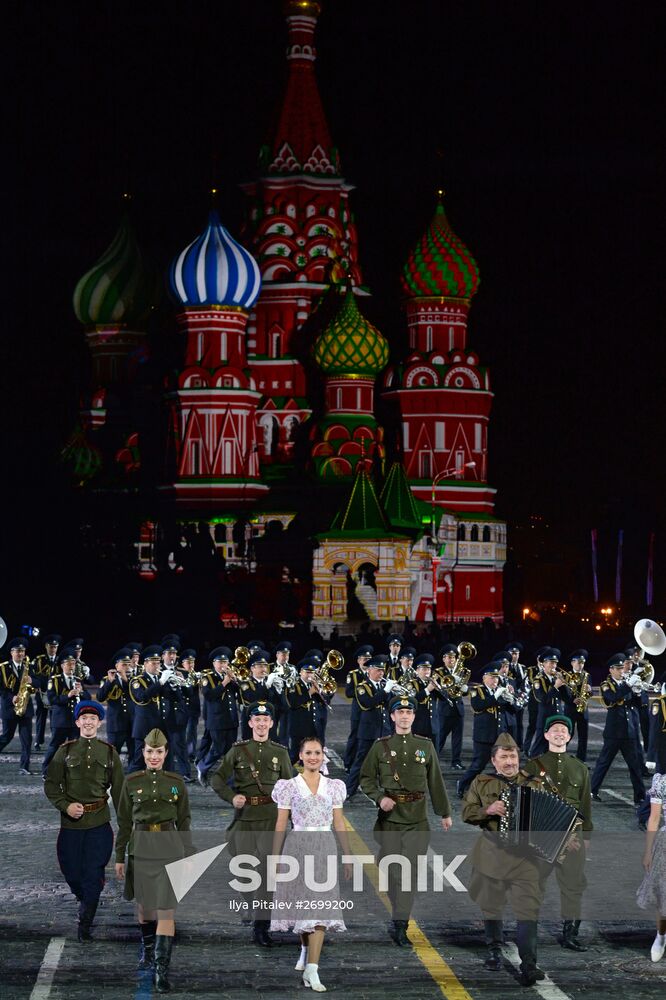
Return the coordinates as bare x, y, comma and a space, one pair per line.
24, 692
652, 639
240, 669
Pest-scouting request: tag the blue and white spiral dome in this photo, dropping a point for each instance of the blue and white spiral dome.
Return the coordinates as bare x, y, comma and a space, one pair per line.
215, 270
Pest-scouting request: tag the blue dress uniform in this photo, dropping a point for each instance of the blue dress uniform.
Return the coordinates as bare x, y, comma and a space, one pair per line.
63, 706
580, 721
256, 689
192, 698
153, 709
620, 733
485, 728
10, 682
393, 664
306, 711
450, 715
43, 667
533, 675
551, 701
84, 771
354, 678
374, 722
425, 702
518, 678
281, 725
657, 745
120, 707
221, 712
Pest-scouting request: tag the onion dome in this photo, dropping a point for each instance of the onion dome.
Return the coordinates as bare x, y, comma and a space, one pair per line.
350, 344
82, 459
215, 270
440, 264
119, 288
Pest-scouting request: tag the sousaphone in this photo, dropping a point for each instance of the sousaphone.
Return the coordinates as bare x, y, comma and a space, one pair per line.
652, 640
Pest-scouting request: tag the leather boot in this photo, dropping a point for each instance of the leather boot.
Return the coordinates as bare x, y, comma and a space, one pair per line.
260, 933
163, 946
494, 941
87, 913
526, 939
399, 934
569, 939
147, 955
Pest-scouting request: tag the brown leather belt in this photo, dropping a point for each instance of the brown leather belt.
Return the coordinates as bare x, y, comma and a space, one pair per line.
406, 796
155, 827
258, 800
93, 807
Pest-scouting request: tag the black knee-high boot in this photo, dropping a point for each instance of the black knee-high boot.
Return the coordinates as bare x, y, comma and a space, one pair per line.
147, 955
526, 939
163, 946
87, 913
494, 940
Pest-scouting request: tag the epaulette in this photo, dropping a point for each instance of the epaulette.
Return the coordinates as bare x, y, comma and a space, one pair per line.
417, 737
381, 739
241, 743
485, 777
105, 742
134, 774
173, 774
67, 742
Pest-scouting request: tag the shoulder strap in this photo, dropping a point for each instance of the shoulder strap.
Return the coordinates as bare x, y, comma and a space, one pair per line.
253, 769
387, 755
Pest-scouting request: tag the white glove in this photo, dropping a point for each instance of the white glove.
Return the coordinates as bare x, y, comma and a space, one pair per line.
465, 688
166, 676
390, 685
274, 680
85, 670
634, 682
651, 765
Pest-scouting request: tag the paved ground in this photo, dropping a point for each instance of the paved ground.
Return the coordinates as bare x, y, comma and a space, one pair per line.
40, 958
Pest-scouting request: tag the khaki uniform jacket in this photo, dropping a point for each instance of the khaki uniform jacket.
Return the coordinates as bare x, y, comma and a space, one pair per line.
571, 779
255, 768
84, 771
151, 796
407, 763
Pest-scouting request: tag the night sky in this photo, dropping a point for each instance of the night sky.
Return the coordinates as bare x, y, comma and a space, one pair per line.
542, 121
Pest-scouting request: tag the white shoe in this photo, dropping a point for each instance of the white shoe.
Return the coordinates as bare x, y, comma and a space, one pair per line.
311, 978
658, 948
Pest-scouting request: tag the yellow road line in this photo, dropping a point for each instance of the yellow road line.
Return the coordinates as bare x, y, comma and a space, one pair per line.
442, 973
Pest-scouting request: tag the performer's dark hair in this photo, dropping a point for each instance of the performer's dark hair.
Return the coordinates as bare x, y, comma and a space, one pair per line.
310, 739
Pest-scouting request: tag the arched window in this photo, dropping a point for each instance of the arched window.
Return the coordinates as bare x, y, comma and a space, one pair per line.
462, 536
474, 533
486, 534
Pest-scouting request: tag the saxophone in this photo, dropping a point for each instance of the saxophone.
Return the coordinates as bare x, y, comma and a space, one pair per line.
25, 690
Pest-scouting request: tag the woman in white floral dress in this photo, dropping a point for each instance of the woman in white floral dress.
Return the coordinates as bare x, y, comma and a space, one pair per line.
315, 803
652, 890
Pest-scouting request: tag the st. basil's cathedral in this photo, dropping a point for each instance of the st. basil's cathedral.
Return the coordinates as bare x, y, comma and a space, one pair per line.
269, 421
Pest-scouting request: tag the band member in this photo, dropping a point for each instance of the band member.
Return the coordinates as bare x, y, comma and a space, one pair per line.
651, 894
44, 666
192, 698
450, 710
354, 678
634, 653
65, 691
255, 765
407, 656
533, 674
372, 697
396, 774
114, 690
153, 830
313, 801
520, 681
425, 696
221, 710
281, 655
656, 756
260, 686
498, 873
570, 779
506, 695
81, 668
11, 673
552, 695
153, 695
577, 711
78, 781
485, 726
306, 708
620, 731
393, 666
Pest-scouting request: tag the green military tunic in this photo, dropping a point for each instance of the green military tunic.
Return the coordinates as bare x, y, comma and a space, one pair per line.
84, 771
498, 871
403, 764
255, 767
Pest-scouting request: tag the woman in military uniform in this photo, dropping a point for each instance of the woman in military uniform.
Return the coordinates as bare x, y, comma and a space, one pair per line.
153, 828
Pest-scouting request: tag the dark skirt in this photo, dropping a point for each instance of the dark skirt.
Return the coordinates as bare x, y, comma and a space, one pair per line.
146, 878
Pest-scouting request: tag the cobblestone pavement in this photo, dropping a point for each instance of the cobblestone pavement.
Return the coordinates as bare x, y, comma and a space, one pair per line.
213, 957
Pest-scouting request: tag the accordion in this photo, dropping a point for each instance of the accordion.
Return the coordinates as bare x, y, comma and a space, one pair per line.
537, 821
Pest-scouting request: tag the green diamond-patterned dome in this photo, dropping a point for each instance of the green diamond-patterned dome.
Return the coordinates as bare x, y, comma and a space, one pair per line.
440, 264
350, 344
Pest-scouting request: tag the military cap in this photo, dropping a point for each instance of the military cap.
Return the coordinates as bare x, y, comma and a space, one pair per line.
402, 701
579, 654
283, 646
394, 637
18, 643
52, 639
553, 719
122, 654
135, 646
424, 659
308, 663
315, 654
378, 660
261, 656
170, 646
557, 653
617, 660
504, 741
89, 706
188, 654
448, 648
502, 657
219, 653
364, 651
261, 708
632, 648
514, 647
152, 652
549, 653
76, 643
66, 654
155, 739
407, 651
490, 668
255, 644
540, 651
170, 641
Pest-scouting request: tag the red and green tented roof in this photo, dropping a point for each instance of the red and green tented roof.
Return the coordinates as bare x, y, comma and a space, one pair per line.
440, 264
350, 344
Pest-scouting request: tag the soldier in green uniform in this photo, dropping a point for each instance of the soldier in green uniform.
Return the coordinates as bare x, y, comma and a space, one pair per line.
153, 829
255, 765
396, 774
570, 778
498, 871
77, 781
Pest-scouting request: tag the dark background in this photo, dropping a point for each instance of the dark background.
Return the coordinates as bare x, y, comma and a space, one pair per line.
543, 122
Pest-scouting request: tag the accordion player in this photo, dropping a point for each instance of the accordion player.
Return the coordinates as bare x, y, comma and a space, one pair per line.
537, 820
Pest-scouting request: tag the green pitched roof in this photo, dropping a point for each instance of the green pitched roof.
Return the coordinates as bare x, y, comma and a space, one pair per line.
362, 511
398, 500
